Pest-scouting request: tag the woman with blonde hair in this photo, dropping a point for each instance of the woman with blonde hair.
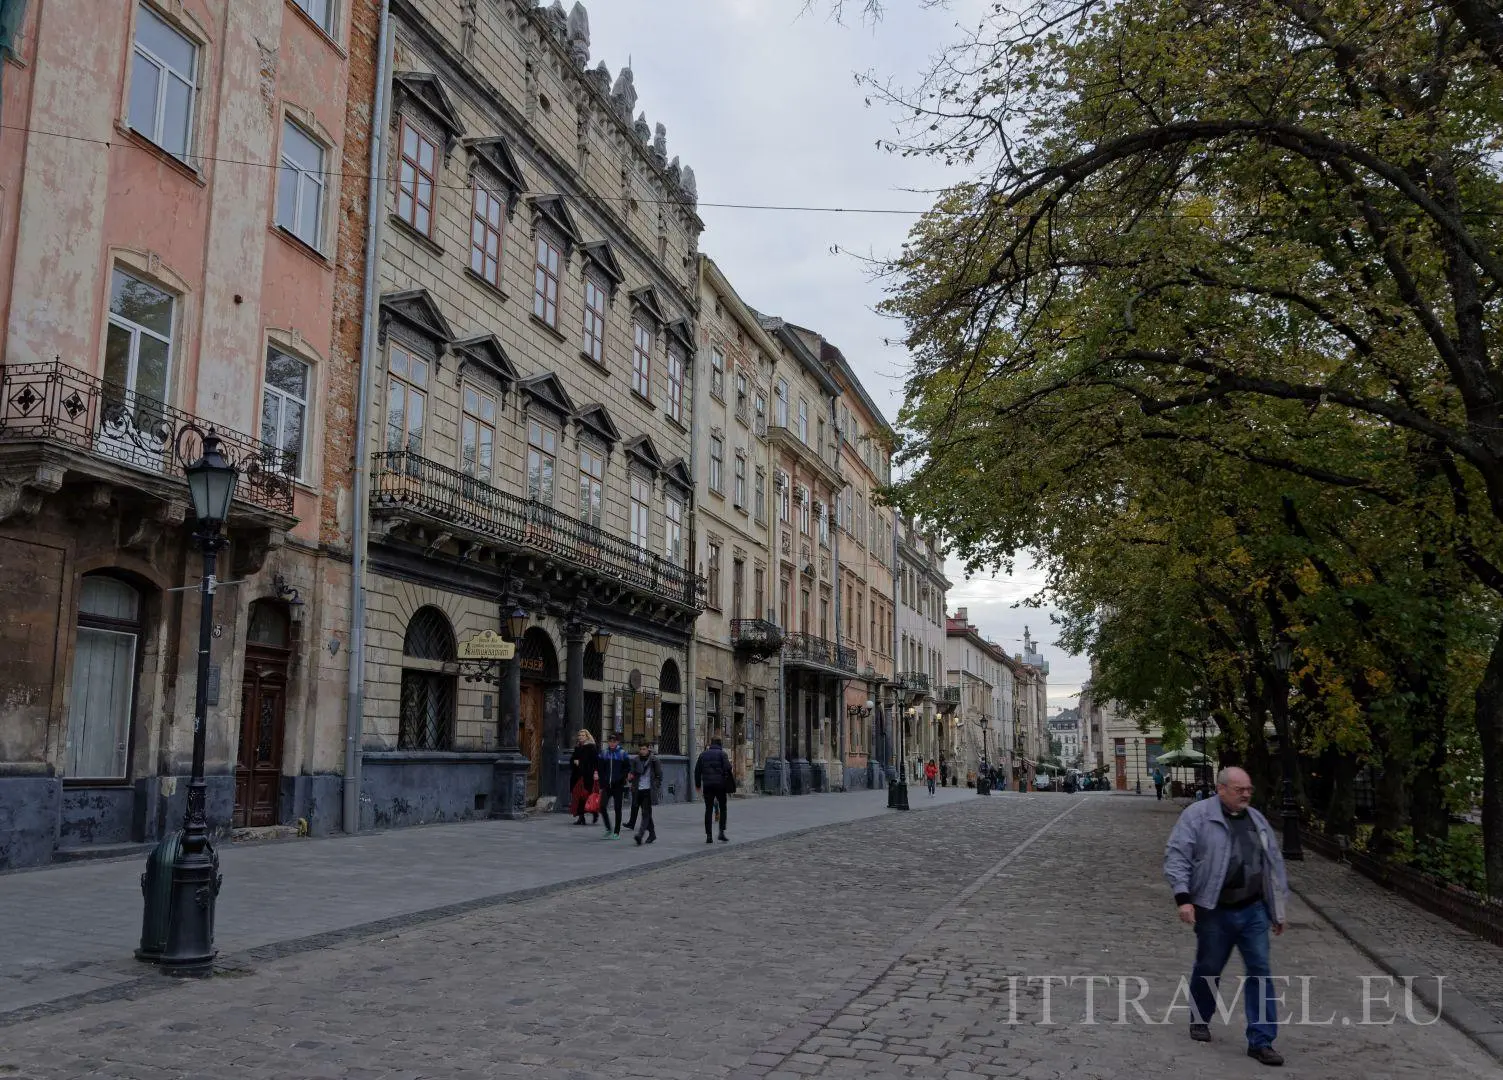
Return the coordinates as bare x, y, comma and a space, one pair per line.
582, 774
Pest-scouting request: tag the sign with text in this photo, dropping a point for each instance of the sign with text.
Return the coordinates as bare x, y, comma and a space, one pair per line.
487, 645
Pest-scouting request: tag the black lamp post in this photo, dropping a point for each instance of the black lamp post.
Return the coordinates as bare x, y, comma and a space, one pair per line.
1202, 726
1283, 656
195, 881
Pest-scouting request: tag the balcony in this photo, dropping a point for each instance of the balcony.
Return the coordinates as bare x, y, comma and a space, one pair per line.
402, 481
825, 464
914, 683
58, 422
947, 698
806, 650
759, 639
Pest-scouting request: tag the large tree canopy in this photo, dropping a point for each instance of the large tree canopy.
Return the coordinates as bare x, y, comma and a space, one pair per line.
1262, 238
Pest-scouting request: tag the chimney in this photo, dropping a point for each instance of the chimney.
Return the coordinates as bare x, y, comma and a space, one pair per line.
962, 615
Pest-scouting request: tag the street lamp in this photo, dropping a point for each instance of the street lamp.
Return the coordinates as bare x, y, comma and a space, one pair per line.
1137, 758
195, 880
1202, 725
983, 780
1283, 657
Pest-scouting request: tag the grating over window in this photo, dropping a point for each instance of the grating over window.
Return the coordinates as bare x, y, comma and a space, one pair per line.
668, 681
668, 729
594, 664
427, 711
428, 636
594, 712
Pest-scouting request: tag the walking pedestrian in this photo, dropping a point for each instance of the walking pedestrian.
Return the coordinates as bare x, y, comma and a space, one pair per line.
613, 767
1224, 865
931, 773
944, 772
582, 774
714, 777
646, 774
1158, 781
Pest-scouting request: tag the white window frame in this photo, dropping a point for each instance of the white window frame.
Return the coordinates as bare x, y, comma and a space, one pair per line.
164, 72
675, 385
137, 330
641, 514
591, 486
326, 24
477, 420
803, 421
413, 382
641, 359
542, 450
717, 374
717, 464
594, 320
738, 497
780, 404
314, 177
673, 528
284, 397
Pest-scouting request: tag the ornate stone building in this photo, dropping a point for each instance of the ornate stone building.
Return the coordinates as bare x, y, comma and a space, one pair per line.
158, 281
921, 588
737, 638
529, 421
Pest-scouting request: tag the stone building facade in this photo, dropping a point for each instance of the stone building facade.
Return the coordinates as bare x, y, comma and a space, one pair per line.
157, 280
987, 681
530, 418
737, 639
921, 589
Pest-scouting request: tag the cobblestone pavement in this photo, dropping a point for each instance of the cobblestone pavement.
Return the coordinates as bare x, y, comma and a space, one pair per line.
82, 921
878, 948
1476, 966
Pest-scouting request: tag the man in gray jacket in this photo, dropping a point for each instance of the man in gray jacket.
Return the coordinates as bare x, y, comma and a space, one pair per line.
1228, 877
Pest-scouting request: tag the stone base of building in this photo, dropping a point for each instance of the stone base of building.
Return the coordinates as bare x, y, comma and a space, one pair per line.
776, 777
819, 776
858, 778
802, 782
508, 800
318, 800
420, 787
33, 810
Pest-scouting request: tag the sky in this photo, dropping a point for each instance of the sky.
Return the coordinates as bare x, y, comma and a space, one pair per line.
760, 98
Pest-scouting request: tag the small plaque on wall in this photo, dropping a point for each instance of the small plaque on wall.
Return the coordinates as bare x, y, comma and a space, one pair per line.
214, 685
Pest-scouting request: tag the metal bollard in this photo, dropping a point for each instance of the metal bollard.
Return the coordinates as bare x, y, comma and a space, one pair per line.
156, 889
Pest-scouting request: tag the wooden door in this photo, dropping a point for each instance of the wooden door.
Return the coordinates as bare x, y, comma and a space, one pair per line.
530, 734
263, 708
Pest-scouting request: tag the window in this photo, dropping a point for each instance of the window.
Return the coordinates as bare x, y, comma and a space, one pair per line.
822, 523
717, 464
320, 11
284, 411
845, 508
104, 679
759, 586
641, 492
487, 226
819, 442
760, 495
673, 529
803, 510
738, 587
803, 421
163, 80
542, 447
783, 587
427, 708
780, 403
761, 414
417, 178
742, 400
138, 341
545, 282
712, 578
477, 435
641, 360
300, 185
717, 374
591, 485
675, 385
740, 490
824, 618
803, 610
783, 499
594, 320
406, 402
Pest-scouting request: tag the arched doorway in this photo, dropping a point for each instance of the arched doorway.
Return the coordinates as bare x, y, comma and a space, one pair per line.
263, 714
539, 662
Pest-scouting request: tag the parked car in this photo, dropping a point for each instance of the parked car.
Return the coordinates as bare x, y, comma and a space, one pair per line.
1041, 782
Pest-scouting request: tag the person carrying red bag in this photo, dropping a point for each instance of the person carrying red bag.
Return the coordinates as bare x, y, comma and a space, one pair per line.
582, 777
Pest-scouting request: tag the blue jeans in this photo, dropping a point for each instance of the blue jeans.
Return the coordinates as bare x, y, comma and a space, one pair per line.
1217, 932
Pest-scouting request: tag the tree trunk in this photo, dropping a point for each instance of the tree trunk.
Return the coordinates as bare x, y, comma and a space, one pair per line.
1341, 801
1390, 810
1427, 811
1490, 735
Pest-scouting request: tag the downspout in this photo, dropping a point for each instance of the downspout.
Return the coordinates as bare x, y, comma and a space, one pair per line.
355, 697
840, 715
691, 710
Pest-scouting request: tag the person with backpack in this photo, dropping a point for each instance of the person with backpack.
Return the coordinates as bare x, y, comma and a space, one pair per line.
613, 766
714, 777
644, 777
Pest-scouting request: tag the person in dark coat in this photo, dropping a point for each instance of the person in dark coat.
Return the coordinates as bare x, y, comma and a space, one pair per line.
582, 774
645, 776
613, 766
713, 776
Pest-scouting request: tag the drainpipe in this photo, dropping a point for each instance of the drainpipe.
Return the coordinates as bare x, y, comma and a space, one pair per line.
692, 698
355, 697
840, 718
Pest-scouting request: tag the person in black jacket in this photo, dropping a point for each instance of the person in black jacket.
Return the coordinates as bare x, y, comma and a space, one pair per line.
645, 776
612, 766
713, 776
582, 774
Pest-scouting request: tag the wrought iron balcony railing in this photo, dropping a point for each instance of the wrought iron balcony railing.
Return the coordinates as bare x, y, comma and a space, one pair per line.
817, 650
55, 403
757, 636
949, 695
916, 682
402, 479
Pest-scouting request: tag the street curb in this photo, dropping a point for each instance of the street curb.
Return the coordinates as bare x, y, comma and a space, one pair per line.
235, 964
1460, 1011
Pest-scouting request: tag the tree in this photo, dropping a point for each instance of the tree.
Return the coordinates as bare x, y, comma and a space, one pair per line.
1267, 229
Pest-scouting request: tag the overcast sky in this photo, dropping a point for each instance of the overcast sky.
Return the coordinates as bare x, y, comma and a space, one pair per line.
761, 100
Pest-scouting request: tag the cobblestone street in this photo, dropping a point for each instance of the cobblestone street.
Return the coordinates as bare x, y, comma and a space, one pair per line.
877, 947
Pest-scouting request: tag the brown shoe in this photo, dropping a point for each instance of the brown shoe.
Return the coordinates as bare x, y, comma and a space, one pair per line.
1265, 1055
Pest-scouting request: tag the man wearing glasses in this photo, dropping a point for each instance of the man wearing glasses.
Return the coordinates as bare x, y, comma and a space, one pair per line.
1223, 863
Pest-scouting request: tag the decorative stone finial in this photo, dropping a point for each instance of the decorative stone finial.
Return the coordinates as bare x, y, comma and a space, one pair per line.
674, 170
579, 36
624, 94
660, 145
690, 187
600, 76
640, 127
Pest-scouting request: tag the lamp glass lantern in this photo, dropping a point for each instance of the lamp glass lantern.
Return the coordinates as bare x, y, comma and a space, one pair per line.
1283, 653
211, 484
516, 622
601, 641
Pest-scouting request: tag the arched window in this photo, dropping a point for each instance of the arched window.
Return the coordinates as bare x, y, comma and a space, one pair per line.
104, 679
668, 726
428, 683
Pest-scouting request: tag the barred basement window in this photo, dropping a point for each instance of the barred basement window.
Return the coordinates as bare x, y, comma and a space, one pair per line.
428, 683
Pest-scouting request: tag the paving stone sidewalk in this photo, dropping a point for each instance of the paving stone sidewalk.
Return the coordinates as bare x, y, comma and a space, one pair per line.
879, 948
72, 928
